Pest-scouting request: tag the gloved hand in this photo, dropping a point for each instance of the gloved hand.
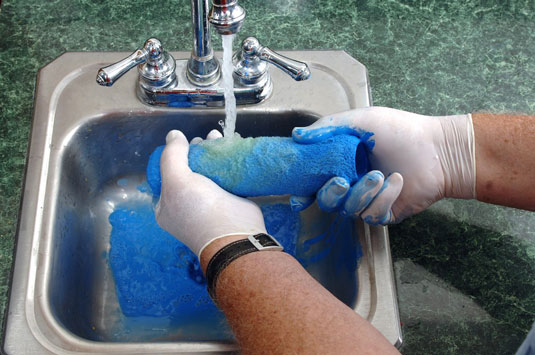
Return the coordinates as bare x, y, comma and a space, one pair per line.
424, 159
193, 208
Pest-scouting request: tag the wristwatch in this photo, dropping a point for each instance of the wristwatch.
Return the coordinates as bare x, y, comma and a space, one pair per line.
232, 251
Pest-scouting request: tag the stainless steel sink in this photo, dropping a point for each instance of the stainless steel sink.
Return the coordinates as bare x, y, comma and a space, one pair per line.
86, 138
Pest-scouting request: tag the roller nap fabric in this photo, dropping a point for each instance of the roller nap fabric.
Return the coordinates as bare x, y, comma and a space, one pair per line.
266, 166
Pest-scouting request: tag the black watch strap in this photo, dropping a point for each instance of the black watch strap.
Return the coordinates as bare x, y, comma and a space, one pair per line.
234, 250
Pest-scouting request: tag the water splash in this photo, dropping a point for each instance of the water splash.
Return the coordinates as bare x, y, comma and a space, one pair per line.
229, 126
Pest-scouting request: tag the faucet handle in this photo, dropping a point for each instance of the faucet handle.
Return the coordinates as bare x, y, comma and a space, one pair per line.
158, 67
251, 68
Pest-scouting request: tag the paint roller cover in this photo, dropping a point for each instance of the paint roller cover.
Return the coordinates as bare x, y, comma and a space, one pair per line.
270, 165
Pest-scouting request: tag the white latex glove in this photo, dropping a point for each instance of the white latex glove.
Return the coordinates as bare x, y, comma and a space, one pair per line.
424, 158
193, 208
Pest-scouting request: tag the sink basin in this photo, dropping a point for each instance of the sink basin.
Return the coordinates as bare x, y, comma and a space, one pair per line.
88, 153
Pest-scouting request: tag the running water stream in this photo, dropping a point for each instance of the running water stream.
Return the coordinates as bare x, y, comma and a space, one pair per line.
229, 125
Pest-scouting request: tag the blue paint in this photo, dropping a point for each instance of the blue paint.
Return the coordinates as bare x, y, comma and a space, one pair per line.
316, 135
380, 219
386, 216
271, 165
143, 187
341, 227
160, 285
332, 256
158, 276
283, 223
333, 194
155, 274
362, 193
299, 203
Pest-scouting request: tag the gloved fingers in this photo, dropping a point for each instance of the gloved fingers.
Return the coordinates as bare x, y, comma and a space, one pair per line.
362, 193
174, 160
355, 122
380, 209
196, 140
333, 193
174, 134
214, 134
299, 203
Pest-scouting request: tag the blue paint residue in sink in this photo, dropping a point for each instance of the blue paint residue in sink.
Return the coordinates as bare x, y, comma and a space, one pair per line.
347, 252
155, 274
283, 224
158, 276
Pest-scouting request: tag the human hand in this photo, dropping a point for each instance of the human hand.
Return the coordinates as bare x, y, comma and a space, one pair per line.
193, 208
424, 159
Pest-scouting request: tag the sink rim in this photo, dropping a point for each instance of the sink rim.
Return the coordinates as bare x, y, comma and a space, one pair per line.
43, 164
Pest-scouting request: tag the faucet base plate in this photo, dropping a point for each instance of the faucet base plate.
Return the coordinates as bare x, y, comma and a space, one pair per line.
186, 94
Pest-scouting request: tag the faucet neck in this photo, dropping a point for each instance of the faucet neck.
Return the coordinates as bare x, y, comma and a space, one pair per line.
202, 46
203, 68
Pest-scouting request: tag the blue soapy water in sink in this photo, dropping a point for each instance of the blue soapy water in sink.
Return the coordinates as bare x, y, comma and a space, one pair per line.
155, 274
159, 278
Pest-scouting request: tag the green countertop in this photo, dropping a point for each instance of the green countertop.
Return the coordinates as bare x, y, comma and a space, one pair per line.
465, 271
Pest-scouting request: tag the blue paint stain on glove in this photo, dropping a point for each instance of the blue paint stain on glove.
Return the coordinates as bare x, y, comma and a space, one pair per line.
271, 165
315, 135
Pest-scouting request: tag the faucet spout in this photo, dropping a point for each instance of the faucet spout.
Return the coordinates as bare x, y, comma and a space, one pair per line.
226, 16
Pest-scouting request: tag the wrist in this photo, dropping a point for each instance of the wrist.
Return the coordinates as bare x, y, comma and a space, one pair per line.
457, 156
214, 246
234, 251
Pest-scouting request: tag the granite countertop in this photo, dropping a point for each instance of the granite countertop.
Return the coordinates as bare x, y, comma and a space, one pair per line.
465, 271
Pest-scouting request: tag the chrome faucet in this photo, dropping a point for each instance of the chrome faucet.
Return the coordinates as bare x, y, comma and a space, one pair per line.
159, 72
226, 16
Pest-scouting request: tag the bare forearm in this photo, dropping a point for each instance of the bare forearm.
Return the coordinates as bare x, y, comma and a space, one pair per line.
274, 306
505, 159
